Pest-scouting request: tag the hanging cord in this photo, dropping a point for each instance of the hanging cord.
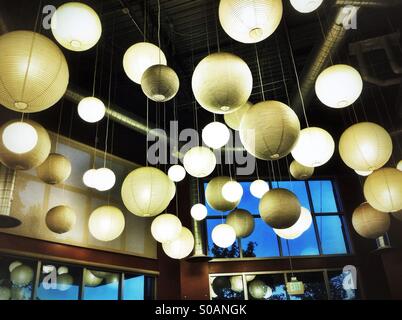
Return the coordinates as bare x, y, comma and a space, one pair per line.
146, 137
95, 70
159, 32
132, 18
290, 258
217, 32
59, 125
259, 72
145, 20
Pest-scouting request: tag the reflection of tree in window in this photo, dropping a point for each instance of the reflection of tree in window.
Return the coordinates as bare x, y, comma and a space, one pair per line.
232, 252
249, 252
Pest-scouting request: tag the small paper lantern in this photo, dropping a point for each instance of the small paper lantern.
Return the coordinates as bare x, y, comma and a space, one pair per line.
399, 166
369, 222
236, 284
28, 160
365, 146
339, 86
363, 173
106, 223
56, 169
199, 162
166, 227
233, 119
214, 197
89, 178
14, 265
139, 57
241, 221
299, 171
91, 109
64, 282
295, 231
258, 188
160, 83
223, 235
76, 26
144, 192
5, 293
232, 191
257, 289
199, 212
215, 135
306, 6
269, 130
60, 219
250, 21
181, 247
222, 83
19, 137
22, 275
105, 179
34, 72
280, 208
383, 190
90, 280
176, 173
314, 148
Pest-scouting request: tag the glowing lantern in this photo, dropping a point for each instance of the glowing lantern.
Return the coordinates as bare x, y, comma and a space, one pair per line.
105, 179
199, 212
369, 222
306, 6
215, 135
236, 283
176, 173
89, 178
232, 191
91, 109
20, 137
181, 247
199, 162
223, 235
258, 289
241, 221
106, 223
56, 169
214, 195
300, 172
295, 231
160, 83
22, 275
233, 119
166, 227
258, 188
60, 219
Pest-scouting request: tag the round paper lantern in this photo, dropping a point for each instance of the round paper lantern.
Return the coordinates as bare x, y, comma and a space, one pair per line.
222, 83
383, 190
139, 57
369, 222
90, 280
214, 196
339, 86
250, 21
76, 26
295, 231
199, 162
314, 148
144, 192
399, 166
236, 283
5, 293
280, 208
60, 219
363, 173
241, 221
223, 235
160, 83
166, 227
257, 289
258, 188
397, 215
89, 178
22, 275
269, 130
176, 173
34, 72
28, 160
199, 212
181, 247
91, 109
56, 169
306, 6
215, 135
64, 282
106, 223
233, 119
105, 179
14, 265
19, 137
365, 146
300, 172
232, 191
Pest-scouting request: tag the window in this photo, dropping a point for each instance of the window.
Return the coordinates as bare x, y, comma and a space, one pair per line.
227, 288
101, 285
337, 288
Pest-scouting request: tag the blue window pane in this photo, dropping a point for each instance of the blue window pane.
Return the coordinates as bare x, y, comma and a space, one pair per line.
298, 188
305, 245
133, 287
214, 250
322, 195
107, 289
263, 242
274, 281
331, 235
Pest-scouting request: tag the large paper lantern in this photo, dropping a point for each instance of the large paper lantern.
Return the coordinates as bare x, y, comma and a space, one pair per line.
64, 282
106, 223
160, 83
295, 231
222, 82
365, 146
180, 247
34, 72
199, 212
56, 169
223, 235
236, 284
250, 21
257, 289
232, 191
105, 179
90, 280
144, 192
91, 109
5, 293
314, 148
233, 119
139, 57
299, 171
76, 26
176, 173
22, 275
215, 135
241, 221
339, 86
60, 219
280, 208
166, 227
199, 162
369, 222
258, 188
214, 196
306, 6
269, 130
383, 190
26, 160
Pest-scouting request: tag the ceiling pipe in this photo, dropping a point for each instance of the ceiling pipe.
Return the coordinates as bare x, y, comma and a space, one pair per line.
7, 186
369, 3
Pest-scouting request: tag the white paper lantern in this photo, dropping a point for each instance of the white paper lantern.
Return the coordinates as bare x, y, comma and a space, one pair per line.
166, 227
19, 137
258, 188
314, 148
306, 6
62, 270
339, 86
91, 109
139, 57
22, 275
363, 173
76, 26
399, 166
181, 247
160, 83
215, 135
176, 173
105, 179
233, 119
250, 21
214, 195
223, 235
236, 284
232, 191
199, 212
301, 226
106, 223
89, 178
199, 162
